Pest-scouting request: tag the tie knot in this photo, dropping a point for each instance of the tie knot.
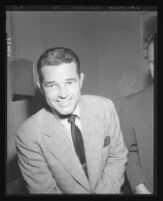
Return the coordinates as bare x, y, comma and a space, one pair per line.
71, 119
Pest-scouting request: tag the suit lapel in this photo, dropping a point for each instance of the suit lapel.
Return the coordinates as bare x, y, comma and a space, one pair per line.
91, 131
59, 144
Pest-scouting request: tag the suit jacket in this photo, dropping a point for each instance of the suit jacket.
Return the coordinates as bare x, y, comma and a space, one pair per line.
134, 175
48, 161
139, 109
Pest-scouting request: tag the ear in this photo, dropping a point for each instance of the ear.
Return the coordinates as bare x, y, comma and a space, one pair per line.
81, 79
39, 86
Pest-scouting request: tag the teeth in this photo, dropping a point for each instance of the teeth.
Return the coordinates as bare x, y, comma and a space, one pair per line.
63, 102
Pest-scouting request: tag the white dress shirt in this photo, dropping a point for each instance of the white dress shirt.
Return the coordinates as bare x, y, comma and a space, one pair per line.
67, 125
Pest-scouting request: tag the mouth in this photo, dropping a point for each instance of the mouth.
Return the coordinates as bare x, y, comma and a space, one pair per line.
64, 103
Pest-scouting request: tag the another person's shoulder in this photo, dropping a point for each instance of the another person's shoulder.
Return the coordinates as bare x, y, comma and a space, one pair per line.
132, 102
134, 98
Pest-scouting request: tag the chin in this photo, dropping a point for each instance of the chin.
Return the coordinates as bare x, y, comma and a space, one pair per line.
65, 111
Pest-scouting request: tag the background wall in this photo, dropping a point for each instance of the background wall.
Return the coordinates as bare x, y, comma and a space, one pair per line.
119, 52
22, 28
108, 44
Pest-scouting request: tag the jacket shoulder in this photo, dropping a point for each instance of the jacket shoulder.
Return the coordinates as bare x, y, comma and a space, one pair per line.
31, 125
96, 100
98, 105
134, 98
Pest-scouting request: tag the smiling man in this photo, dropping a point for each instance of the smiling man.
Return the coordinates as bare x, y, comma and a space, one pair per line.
74, 144
61, 87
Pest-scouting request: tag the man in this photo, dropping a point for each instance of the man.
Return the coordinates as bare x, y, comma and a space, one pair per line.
136, 118
47, 153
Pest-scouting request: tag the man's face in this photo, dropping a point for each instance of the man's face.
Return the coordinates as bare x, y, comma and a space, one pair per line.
151, 58
61, 87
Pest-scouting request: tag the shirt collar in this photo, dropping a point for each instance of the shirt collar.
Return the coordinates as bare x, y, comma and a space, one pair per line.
77, 112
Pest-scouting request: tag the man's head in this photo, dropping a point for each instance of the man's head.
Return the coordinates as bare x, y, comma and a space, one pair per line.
150, 55
60, 79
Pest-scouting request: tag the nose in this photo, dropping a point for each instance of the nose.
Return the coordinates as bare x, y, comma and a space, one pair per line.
62, 92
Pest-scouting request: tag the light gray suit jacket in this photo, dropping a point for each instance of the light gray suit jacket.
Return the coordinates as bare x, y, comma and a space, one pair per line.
47, 157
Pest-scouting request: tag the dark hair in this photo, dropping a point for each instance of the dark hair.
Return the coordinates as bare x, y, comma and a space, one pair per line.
56, 56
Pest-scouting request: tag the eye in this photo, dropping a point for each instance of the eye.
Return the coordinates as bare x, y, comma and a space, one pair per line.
69, 83
52, 85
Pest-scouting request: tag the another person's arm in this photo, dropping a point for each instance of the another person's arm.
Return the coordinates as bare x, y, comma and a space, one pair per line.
133, 168
142, 189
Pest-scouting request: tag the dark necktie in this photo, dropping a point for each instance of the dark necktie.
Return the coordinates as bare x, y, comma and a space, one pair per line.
78, 142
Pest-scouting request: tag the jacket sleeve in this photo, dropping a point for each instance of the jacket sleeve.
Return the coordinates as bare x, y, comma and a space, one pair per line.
113, 174
34, 169
133, 167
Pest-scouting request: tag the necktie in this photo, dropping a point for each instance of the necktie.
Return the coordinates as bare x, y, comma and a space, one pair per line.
78, 142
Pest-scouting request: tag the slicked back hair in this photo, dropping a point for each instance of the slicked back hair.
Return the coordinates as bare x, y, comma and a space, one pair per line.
56, 56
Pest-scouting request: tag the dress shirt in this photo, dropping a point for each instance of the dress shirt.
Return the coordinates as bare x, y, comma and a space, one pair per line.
67, 125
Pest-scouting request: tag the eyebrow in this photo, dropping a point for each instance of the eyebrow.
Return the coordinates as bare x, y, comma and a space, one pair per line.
50, 82
55, 82
71, 79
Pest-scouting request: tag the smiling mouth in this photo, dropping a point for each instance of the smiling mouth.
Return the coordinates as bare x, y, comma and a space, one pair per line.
64, 103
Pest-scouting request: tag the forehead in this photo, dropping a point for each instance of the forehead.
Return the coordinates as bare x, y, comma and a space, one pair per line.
60, 72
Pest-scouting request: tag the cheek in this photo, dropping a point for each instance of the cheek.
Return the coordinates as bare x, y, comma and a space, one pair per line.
75, 92
152, 67
76, 89
50, 94
152, 71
